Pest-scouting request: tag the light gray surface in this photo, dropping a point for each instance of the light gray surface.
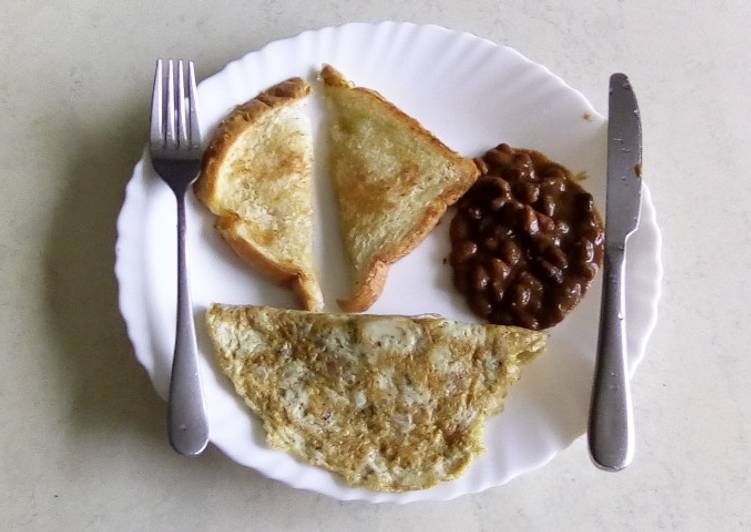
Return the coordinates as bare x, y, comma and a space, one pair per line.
83, 433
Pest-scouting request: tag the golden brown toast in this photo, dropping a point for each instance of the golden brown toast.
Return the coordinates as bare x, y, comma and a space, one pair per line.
393, 178
390, 403
256, 178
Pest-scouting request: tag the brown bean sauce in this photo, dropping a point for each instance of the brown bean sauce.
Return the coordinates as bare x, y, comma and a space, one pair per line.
526, 240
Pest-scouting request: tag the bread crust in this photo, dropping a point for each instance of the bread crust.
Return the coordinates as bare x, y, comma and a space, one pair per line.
283, 273
370, 283
242, 118
365, 292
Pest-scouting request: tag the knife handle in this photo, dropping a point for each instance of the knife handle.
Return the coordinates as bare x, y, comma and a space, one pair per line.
611, 422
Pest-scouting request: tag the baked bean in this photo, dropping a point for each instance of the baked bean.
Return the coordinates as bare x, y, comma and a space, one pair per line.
498, 269
562, 228
528, 221
496, 203
475, 213
531, 281
498, 157
540, 243
490, 244
535, 304
463, 251
522, 158
459, 228
483, 182
592, 221
526, 240
520, 295
525, 319
510, 252
528, 192
481, 166
552, 272
508, 212
590, 232
572, 289
513, 174
480, 278
557, 257
497, 290
557, 313
585, 202
480, 304
501, 232
497, 185
587, 270
553, 186
547, 205
585, 250
504, 186
505, 148
486, 226
546, 223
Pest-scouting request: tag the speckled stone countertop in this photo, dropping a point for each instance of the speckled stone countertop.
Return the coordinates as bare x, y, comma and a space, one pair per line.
83, 436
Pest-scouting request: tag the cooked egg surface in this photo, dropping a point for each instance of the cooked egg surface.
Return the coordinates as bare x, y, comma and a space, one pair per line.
391, 403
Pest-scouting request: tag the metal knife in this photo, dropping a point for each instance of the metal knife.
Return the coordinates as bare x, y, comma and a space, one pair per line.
611, 423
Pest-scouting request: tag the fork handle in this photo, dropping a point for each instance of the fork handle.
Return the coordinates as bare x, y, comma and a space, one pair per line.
611, 425
186, 417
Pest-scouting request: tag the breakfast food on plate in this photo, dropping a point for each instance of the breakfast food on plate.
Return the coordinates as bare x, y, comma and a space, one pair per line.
526, 240
391, 403
393, 181
256, 178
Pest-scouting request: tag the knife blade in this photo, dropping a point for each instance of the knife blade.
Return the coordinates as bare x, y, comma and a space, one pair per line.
611, 424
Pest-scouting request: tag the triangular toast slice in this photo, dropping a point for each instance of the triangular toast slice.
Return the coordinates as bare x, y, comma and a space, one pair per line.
391, 403
256, 178
393, 181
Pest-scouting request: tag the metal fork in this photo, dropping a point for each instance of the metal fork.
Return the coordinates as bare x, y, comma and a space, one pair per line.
175, 147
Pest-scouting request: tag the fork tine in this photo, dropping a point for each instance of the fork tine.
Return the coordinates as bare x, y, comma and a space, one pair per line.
156, 136
171, 142
181, 111
195, 128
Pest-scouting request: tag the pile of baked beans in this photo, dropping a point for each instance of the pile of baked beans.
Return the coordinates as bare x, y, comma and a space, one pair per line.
526, 240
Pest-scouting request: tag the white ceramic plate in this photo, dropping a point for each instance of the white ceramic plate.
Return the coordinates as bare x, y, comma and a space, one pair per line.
472, 94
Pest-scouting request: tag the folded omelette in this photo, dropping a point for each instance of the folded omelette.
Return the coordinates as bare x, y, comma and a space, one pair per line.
390, 403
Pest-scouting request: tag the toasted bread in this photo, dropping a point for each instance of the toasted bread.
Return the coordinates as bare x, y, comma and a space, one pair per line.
393, 181
390, 403
256, 178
